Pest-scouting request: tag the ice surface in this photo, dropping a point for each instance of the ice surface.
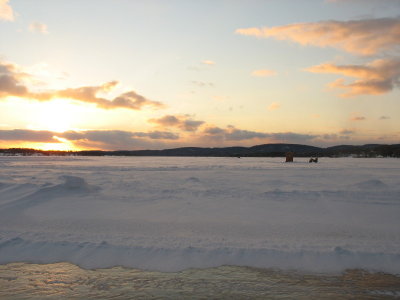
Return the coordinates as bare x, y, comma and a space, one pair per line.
169, 214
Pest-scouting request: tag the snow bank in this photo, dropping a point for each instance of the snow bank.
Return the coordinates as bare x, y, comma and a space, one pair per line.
104, 255
170, 214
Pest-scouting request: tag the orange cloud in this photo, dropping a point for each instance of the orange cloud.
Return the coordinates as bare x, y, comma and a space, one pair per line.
208, 62
274, 106
377, 77
6, 11
263, 73
130, 100
365, 37
183, 122
12, 83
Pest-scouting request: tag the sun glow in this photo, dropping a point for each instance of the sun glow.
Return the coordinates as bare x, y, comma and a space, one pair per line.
57, 116
63, 145
55, 146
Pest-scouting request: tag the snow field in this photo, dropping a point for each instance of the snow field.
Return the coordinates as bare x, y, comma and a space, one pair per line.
169, 214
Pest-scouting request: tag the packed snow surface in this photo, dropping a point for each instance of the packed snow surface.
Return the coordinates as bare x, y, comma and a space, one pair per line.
171, 213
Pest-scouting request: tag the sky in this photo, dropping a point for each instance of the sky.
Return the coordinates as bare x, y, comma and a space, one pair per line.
155, 74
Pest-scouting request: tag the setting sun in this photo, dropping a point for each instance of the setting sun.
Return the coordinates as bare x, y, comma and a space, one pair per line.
62, 145
57, 116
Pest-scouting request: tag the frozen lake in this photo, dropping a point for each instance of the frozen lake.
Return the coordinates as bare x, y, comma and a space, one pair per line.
171, 213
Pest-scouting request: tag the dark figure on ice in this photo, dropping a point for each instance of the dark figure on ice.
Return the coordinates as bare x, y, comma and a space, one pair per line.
289, 156
315, 160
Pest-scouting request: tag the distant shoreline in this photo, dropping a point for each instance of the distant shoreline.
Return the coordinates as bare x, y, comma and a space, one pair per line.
265, 150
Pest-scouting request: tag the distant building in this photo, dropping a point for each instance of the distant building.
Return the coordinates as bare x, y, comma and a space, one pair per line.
289, 156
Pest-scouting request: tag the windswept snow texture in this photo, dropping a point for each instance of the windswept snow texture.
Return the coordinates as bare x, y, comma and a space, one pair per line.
169, 214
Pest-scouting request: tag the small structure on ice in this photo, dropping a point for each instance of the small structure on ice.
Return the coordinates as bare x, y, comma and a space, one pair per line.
289, 156
315, 160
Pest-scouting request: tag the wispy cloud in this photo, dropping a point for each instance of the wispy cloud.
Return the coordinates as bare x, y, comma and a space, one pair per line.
384, 118
6, 11
13, 83
377, 77
364, 37
274, 106
347, 131
202, 83
38, 27
208, 62
183, 122
263, 73
220, 98
357, 118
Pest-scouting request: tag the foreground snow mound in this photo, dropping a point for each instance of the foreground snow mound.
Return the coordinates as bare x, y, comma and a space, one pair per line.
371, 184
103, 255
76, 183
170, 214
72, 186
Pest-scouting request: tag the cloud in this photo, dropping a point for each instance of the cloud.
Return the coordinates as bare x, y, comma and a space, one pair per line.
157, 135
92, 135
220, 98
38, 27
11, 80
202, 83
293, 137
363, 37
384, 118
357, 118
263, 73
101, 135
6, 11
208, 62
274, 106
13, 83
332, 138
28, 136
118, 139
183, 122
347, 132
377, 77
9, 86
239, 135
232, 133
130, 100
93, 139
214, 130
